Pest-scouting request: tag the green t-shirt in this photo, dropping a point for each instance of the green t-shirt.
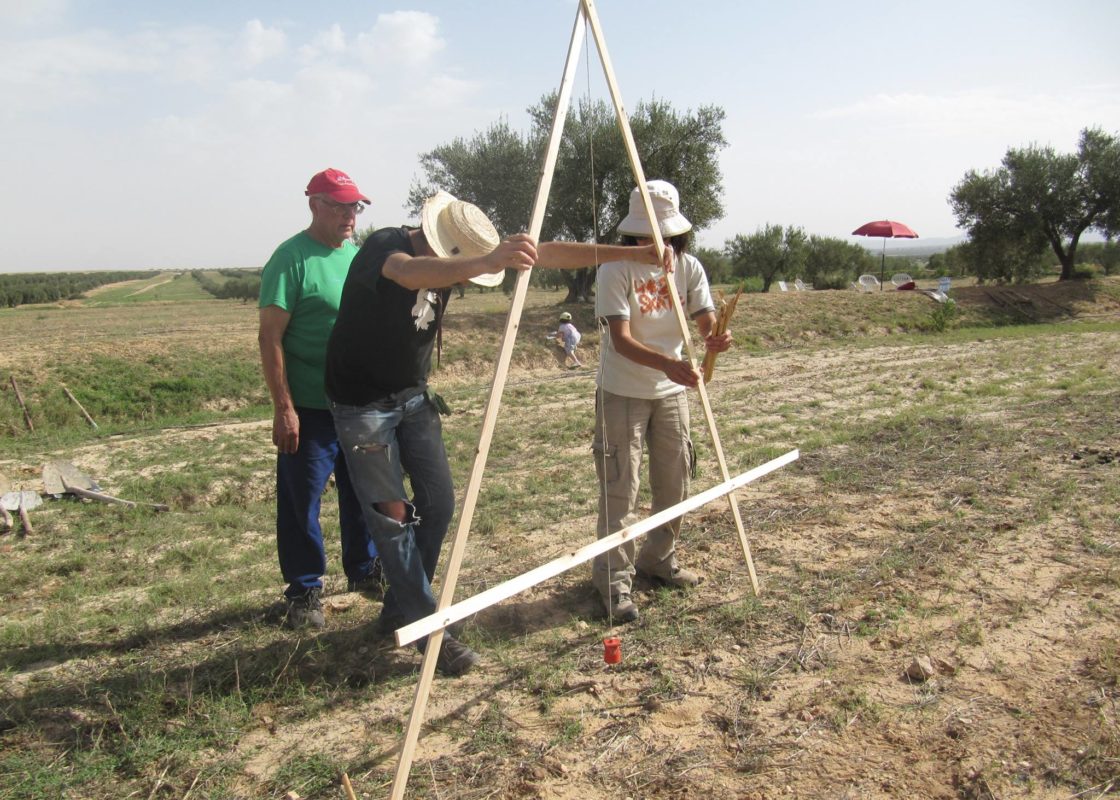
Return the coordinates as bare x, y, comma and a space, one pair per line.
305, 278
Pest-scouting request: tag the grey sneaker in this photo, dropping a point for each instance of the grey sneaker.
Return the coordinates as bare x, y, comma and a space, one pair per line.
621, 608
372, 584
306, 611
455, 658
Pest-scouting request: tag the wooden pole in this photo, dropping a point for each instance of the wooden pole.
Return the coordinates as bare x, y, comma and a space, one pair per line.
490, 416
472, 605
22, 405
81, 408
347, 787
636, 165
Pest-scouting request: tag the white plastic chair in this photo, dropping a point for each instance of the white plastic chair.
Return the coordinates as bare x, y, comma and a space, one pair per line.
782, 286
900, 278
868, 282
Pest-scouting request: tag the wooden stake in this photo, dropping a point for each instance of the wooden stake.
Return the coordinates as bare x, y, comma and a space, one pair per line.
5, 520
495, 594
588, 10
490, 416
81, 408
22, 405
724, 312
349, 789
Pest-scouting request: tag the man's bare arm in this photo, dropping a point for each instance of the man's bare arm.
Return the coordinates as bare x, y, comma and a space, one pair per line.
270, 337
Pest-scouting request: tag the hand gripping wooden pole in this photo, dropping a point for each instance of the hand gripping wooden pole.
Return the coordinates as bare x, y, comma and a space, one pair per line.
490, 415
639, 175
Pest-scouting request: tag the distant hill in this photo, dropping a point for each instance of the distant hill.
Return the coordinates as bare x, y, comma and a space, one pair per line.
911, 248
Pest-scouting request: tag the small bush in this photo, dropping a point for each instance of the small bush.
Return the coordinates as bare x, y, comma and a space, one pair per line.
941, 317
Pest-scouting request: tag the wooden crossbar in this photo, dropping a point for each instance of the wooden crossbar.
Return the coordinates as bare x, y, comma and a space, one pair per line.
483, 600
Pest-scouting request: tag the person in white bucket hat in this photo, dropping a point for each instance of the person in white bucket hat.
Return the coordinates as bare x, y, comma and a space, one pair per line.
378, 359
642, 400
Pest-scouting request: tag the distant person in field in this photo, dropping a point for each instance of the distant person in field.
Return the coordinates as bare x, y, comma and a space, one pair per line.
387, 417
641, 402
301, 286
568, 337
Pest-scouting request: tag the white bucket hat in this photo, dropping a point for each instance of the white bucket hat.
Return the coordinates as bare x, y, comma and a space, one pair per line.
666, 206
458, 228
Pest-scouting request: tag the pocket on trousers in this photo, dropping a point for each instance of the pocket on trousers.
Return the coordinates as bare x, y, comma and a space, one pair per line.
607, 459
691, 458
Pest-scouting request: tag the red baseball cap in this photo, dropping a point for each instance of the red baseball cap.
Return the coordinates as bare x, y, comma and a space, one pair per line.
336, 185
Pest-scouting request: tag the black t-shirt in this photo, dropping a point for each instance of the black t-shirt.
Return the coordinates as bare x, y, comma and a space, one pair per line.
381, 346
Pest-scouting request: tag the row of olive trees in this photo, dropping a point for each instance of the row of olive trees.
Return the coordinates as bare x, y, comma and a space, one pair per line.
784, 253
592, 183
48, 287
238, 284
1038, 201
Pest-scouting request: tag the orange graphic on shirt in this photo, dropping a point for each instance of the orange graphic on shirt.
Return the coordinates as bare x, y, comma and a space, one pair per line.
653, 295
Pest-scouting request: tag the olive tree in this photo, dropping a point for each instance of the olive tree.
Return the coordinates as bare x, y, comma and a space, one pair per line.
770, 253
1039, 198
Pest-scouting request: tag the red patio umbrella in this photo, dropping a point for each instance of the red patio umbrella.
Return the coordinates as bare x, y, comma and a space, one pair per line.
888, 230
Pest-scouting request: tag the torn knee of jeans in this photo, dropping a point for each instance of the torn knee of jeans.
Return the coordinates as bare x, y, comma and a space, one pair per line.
410, 515
370, 449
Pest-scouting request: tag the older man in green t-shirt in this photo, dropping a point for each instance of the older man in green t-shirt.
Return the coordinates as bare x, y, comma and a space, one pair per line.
301, 286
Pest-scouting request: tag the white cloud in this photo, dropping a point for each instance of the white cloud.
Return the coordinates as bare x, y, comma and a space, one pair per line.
986, 111
403, 39
259, 44
32, 12
328, 43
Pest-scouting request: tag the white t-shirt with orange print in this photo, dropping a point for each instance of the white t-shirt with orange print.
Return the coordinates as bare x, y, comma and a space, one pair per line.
638, 293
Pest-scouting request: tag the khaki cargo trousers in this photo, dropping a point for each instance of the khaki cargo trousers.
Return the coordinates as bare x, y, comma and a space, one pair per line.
623, 426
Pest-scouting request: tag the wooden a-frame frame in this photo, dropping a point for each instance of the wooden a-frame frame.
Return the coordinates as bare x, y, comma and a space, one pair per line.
585, 17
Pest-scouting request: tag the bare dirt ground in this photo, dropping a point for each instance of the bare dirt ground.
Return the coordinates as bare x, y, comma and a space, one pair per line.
1012, 617
938, 616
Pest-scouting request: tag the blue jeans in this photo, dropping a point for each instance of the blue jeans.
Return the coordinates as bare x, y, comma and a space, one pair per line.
300, 480
382, 442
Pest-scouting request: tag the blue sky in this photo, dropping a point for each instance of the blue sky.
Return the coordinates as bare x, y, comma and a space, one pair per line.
137, 135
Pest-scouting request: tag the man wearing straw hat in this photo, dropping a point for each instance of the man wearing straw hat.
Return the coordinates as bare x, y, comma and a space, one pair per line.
378, 361
642, 400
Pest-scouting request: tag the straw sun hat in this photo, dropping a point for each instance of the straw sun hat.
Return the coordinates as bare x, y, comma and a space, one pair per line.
457, 228
666, 207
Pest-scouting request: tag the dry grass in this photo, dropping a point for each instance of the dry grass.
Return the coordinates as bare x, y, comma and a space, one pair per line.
954, 500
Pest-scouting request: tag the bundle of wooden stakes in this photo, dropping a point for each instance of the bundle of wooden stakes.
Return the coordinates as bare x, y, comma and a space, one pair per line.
724, 309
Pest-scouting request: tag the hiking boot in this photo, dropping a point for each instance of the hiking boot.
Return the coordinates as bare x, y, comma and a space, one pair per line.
372, 584
680, 578
454, 658
306, 610
621, 608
